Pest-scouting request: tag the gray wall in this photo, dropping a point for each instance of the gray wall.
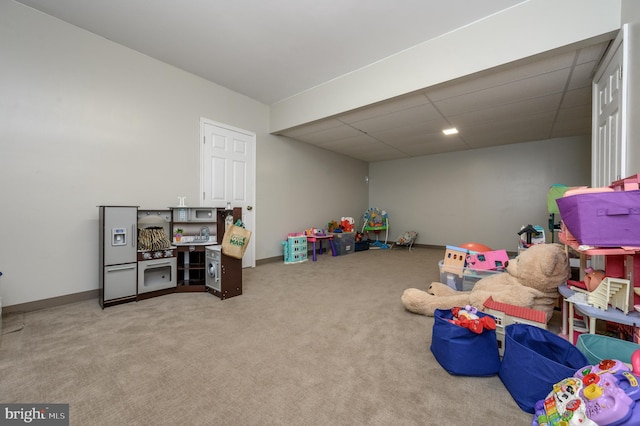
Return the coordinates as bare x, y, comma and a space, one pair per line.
483, 195
84, 122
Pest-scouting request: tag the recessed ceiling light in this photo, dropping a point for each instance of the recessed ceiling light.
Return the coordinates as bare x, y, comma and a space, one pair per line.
451, 131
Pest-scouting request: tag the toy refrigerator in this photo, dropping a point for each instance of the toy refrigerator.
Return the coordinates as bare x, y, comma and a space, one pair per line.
118, 266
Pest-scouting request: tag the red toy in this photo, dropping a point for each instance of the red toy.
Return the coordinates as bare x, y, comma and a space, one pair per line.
467, 318
476, 247
346, 225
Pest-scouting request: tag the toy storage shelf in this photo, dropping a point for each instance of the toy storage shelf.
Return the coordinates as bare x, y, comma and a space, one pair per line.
620, 262
593, 313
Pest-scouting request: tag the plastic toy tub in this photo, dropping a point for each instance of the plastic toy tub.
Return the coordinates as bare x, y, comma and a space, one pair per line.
534, 360
463, 279
597, 347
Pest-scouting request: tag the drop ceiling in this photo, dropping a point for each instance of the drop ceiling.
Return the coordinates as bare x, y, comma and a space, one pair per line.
536, 99
271, 50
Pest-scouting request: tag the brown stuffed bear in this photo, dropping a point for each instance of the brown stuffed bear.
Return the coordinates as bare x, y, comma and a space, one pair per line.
531, 280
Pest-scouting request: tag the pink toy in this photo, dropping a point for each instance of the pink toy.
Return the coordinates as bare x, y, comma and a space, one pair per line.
496, 259
635, 362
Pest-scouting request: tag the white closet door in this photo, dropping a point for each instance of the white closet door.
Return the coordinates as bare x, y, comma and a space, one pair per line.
609, 138
228, 174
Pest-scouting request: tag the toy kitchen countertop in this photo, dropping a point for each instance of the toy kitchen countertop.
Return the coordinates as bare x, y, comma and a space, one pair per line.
194, 241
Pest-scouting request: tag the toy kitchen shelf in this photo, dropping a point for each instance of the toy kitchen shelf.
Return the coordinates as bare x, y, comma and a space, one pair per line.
191, 266
620, 262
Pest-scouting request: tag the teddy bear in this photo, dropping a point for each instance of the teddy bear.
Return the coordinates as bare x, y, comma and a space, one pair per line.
531, 280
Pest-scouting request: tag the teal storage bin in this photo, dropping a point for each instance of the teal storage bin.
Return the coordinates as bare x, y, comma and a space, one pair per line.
597, 347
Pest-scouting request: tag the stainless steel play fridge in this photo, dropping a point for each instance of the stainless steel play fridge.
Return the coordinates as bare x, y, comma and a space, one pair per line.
118, 246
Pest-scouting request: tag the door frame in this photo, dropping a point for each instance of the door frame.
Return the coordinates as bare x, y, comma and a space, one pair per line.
252, 201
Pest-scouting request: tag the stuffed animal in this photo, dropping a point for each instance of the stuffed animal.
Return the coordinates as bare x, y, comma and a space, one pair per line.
531, 280
467, 318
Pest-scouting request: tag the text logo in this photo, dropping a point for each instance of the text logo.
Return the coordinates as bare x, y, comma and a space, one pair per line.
34, 414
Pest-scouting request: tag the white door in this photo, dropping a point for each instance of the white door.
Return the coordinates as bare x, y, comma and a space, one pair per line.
608, 148
228, 173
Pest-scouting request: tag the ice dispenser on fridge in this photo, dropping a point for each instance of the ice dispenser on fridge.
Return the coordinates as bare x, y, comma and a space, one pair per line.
119, 237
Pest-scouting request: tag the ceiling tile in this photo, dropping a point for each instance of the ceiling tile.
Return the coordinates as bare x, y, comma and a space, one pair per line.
415, 115
530, 88
582, 75
383, 108
508, 112
577, 97
330, 134
592, 53
417, 129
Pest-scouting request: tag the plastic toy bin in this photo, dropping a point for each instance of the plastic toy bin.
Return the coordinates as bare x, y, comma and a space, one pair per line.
597, 347
295, 249
344, 242
462, 279
534, 360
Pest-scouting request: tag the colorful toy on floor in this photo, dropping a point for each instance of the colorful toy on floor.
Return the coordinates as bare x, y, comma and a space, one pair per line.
467, 317
597, 395
531, 281
376, 220
494, 259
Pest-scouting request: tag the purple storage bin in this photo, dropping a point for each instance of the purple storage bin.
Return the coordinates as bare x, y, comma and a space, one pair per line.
603, 219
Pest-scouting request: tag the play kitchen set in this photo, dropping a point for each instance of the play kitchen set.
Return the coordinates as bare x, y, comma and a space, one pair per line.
148, 253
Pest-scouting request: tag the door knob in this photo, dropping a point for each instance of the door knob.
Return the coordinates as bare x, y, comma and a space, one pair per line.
249, 207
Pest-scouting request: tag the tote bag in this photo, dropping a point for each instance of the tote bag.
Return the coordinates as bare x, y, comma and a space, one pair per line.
462, 352
235, 241
534, 360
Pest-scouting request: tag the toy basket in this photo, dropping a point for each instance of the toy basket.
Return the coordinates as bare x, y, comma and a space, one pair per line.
462, 352
534, 360
603, 219
597, 347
